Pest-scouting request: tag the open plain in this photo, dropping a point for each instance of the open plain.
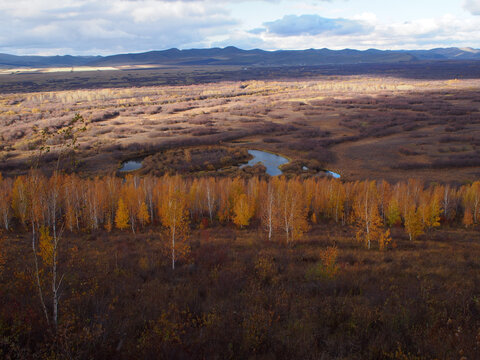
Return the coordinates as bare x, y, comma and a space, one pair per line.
360, 126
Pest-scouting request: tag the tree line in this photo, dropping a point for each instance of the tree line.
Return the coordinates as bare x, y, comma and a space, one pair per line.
283, 208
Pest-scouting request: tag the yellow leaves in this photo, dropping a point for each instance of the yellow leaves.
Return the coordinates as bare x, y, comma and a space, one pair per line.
174, 217
108, 225
243, 211
471, 200
121, 217
143, 215
46, 246
367, 218
183, 252
393, 213
430, 210
329, 260
326, 268
467, 218
293, 211
384, 240
413, 223
173, 211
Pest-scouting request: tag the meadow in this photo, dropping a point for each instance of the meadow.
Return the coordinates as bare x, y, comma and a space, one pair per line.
192, 256
360, 126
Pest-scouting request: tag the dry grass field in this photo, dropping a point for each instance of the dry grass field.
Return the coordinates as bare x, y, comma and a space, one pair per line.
359, 126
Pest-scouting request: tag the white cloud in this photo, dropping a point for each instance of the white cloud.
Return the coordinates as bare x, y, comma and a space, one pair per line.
83, 26
473, 6
113, 26
417, 34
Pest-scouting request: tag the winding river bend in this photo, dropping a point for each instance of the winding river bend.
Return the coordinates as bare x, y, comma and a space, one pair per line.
272, 162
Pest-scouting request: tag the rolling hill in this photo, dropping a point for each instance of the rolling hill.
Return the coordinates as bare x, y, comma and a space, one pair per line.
238, 57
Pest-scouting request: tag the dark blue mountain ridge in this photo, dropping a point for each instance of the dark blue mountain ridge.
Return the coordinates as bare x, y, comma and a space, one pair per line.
237, 57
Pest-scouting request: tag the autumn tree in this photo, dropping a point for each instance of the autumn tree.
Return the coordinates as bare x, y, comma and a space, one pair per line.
121, 216
72, 199
242, 211
48, 251
383, 195
231, 191
210, 197
174, 217
53, 198
471, 200
392, 215
467, 218
413, 223
293, 210
148, 186
143, 215
269, 208
448, 197
368, 221
35, 210
336, 200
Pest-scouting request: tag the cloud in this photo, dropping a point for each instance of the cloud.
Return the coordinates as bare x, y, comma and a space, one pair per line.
90, 27
109, 26
426, 33
242, 40
292, 25
473, 6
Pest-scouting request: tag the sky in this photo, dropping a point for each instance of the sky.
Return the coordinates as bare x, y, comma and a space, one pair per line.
104, 27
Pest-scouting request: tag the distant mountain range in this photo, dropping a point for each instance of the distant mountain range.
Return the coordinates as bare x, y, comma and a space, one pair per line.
248, 58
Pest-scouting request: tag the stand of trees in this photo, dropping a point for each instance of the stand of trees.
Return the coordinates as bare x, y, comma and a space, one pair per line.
58, 282
282, 207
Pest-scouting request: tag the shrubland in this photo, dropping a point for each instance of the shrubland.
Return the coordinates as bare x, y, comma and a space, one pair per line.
172, 267
337, 122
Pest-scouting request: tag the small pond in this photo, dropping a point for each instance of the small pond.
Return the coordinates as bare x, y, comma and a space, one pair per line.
269, 160
131, 165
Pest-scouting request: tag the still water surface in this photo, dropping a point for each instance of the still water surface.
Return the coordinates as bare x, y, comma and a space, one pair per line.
270, 161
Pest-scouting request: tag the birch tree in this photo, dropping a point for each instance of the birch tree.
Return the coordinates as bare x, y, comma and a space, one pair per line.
174, 217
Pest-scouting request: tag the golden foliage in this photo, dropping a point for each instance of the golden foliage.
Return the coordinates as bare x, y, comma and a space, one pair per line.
242, 211
143, 215
121, 217
413, 223
467, 218
46, 246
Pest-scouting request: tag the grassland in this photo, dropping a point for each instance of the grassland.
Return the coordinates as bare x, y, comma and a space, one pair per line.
359, 126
